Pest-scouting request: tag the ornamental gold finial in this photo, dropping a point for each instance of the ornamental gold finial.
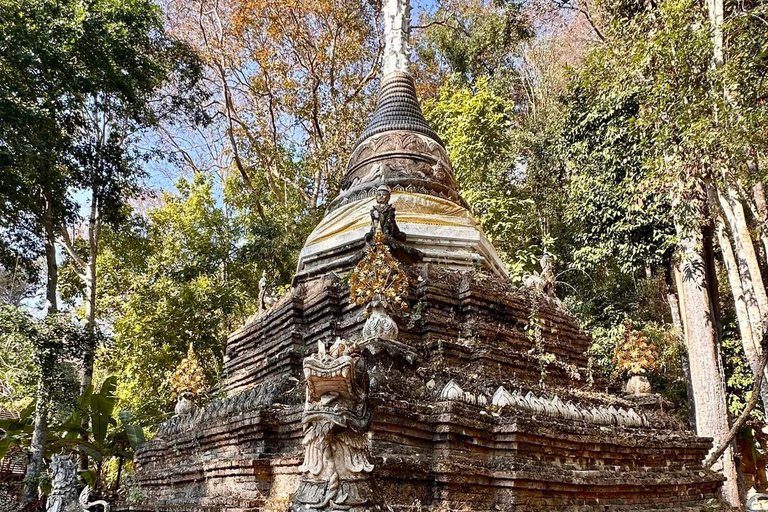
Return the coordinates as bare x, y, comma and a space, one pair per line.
379, 283
188, 377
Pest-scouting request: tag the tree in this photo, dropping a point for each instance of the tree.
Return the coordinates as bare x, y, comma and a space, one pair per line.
74, 78
110, 435
471, 39
290, 83
43, 346
175, 277
661, 56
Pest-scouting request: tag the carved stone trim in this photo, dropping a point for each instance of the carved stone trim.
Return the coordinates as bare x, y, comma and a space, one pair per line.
554, 408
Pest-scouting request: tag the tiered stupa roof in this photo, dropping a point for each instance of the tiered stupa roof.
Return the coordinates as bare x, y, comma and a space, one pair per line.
398, 108
399, 149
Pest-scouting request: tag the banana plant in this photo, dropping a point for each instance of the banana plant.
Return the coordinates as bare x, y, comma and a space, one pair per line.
106, 437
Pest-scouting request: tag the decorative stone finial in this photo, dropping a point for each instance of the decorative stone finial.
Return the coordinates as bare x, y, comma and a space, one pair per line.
379, 283
397, 28
187, 382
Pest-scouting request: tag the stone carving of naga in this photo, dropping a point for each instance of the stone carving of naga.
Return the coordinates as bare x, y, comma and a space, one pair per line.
63, 484
336, 468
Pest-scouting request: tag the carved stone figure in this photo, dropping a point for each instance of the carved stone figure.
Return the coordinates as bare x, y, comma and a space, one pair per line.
638, 385
544, 282
383, 217
86, 505
379, 323
63, 484
335, 472
383, 220
184, 404
263, 292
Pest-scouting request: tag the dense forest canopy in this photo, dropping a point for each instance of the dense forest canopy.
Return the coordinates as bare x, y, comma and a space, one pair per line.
625, 139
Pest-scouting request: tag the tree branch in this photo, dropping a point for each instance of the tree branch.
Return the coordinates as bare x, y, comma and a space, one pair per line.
717, 453
66, 242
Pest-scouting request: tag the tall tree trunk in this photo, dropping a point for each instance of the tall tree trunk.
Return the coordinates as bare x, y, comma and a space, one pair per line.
86, 270
37, 444
749, 267
89, 274
701, 340
677, 322
89, 351
748, 337
761, 211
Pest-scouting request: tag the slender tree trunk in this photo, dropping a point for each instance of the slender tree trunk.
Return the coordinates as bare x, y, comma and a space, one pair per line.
761, 212
748, 337
701, 340
37, 444
89, 351
52, 267
677, 322
749, 267
94, 229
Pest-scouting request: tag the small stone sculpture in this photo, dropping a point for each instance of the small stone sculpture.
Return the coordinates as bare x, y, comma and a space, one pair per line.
638, 385
86, 505
383, 221
757, 497
63, 484
379, 324
335, 472
184, 404
544, 282
263, 292
556, 408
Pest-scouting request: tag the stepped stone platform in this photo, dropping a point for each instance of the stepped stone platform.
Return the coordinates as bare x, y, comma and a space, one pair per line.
445, 433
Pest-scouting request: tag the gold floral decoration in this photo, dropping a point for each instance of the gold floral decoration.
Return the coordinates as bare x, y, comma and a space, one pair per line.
188, 376
634, 353
379, 273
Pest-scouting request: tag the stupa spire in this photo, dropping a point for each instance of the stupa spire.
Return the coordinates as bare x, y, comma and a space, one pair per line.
399, 151
397, 29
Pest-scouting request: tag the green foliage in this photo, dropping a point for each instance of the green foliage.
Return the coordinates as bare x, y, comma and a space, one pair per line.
474, 38
604, 341
476, 125
739, 379
35, 348
108, 437
175, 277
76, 82
614, 206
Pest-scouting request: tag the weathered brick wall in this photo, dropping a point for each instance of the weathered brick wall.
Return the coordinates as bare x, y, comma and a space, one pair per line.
457, 313
242, 454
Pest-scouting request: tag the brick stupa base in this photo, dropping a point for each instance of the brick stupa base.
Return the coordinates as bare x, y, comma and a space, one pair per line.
465, 414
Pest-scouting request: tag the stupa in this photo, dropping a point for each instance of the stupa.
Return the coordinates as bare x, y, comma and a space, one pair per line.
404, 372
